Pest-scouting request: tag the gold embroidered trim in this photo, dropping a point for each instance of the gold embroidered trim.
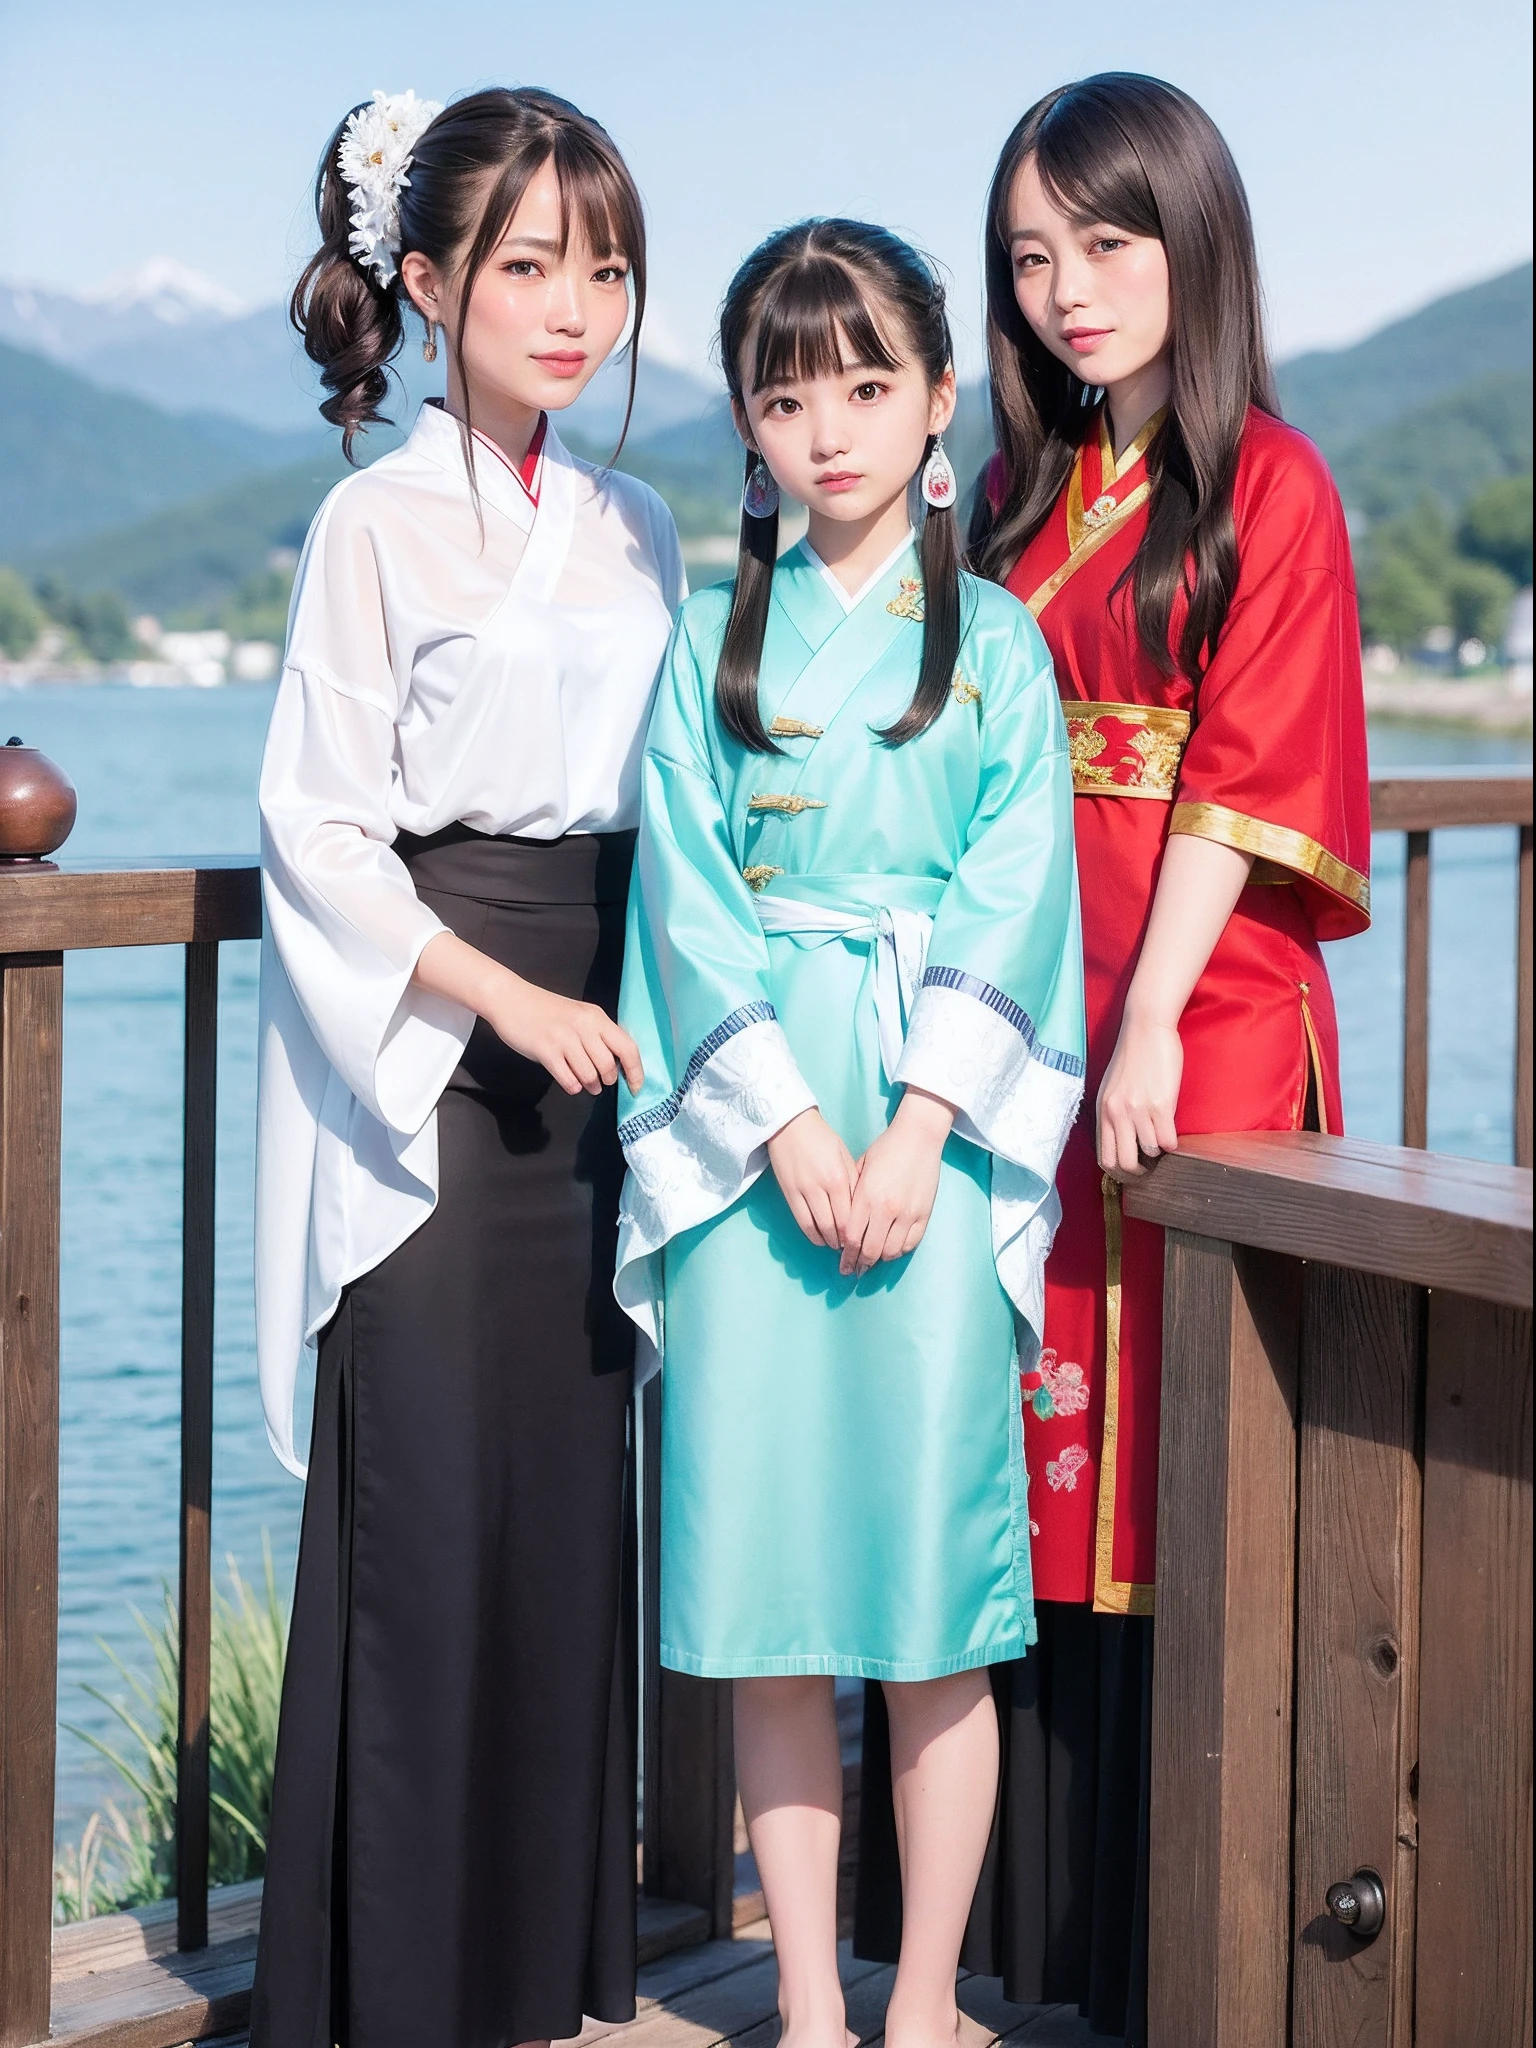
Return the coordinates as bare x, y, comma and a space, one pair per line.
1112, 1595
1093, 539
908, 601
1134, 450
1276, 843
757, 878
1147, 765
1315, 1055
964, 692
789, 806
794, 729
1088, 528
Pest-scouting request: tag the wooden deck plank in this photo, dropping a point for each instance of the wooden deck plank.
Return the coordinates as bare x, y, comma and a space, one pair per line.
88, 1947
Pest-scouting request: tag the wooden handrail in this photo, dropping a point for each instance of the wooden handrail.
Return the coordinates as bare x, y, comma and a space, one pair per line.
1418, 1217
1431, 798
71, 906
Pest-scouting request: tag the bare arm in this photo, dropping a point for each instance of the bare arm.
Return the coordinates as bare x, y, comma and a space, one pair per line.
581, 1045
1197, 892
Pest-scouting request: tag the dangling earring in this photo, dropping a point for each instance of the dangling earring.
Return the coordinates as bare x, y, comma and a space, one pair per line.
760, 496
938, 485
429, 346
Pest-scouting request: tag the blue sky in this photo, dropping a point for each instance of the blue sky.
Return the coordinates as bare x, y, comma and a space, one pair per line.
1386, 143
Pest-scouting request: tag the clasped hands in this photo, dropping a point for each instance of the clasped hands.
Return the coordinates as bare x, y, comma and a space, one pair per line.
866, 1209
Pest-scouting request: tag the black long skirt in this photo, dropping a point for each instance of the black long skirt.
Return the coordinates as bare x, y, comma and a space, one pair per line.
452, 1853
1060, 1913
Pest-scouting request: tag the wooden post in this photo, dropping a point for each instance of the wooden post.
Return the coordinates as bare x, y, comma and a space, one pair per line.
197, 1251
31, 1069
1221, 1712
1416, 993
1357, 1663
688, 1839
1523, 1006
1475, 1853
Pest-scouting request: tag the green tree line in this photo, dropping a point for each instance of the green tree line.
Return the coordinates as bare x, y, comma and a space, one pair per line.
97, 625
1424, 569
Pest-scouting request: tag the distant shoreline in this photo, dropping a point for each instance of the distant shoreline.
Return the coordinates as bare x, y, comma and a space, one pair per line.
1500, 703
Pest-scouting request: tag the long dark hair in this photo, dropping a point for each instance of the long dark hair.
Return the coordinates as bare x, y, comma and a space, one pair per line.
801, 298
468, 174
1138, 154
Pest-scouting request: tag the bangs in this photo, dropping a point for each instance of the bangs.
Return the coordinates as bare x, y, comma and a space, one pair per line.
593, 193
595, 198
814, 319
1091, 168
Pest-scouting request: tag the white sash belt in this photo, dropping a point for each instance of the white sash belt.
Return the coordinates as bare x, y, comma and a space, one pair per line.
900, 939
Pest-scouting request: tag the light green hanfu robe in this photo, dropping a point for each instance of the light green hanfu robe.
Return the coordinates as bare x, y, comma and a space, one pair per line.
843, 1485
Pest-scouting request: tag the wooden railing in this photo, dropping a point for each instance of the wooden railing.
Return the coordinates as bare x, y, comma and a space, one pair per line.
688, 1777
1418, 805
46, 911
1343, 1671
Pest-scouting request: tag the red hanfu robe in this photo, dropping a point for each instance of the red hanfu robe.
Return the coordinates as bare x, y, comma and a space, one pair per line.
1268, 755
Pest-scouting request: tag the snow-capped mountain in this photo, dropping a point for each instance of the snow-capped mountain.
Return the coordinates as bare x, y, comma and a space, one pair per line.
165, 333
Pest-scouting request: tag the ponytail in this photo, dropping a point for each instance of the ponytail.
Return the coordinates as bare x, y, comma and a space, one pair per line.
349, 321
792, 305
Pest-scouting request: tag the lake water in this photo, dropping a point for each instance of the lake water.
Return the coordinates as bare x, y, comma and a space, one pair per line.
175, 772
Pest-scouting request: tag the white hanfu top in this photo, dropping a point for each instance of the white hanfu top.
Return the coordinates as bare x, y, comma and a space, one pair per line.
434, 674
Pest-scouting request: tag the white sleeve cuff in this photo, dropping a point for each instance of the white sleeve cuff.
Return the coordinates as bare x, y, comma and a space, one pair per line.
1013, 1095
693, 1155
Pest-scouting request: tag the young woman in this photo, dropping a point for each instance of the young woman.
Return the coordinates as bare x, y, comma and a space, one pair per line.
853, 958
1186, 556
448, 801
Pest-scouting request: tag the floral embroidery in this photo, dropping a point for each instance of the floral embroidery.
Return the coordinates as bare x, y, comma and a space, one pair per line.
1062, 1472
1055, 1388
1125, 749
1085, 743
758, 877
908, 602
1162, 752
965, 693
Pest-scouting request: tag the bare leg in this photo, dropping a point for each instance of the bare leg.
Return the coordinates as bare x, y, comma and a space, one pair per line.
944, 1761
790, 1774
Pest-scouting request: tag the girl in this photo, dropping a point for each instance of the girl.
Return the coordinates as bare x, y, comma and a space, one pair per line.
448, 801
1186, 556
853, 958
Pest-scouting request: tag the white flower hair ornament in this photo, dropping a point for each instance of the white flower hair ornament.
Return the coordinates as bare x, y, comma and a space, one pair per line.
374, 157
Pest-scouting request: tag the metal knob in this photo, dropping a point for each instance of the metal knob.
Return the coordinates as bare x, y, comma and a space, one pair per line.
1360, 1904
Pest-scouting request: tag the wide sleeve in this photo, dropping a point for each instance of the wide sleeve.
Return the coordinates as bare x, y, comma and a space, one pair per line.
997, 1027
341, 911
1276, 764
720, 1078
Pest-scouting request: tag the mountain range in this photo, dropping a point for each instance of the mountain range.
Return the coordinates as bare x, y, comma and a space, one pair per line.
158, 440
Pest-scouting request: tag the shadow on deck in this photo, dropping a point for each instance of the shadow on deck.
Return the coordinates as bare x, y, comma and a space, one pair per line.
117, 1980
